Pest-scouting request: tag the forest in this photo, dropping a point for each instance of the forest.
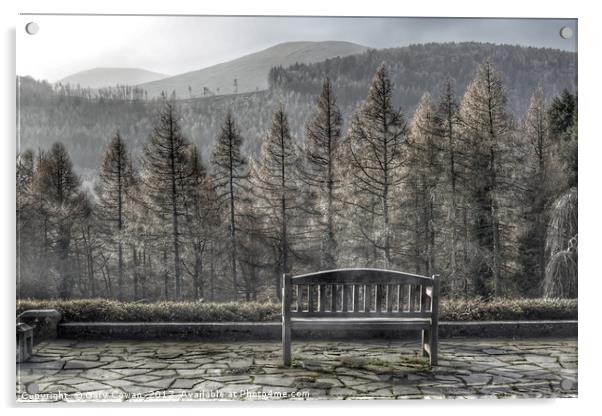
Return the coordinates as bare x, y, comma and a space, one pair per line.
83, 120
464, 185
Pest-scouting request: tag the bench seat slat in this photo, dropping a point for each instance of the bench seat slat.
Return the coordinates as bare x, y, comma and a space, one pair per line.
361, 319
361, 323
361, 315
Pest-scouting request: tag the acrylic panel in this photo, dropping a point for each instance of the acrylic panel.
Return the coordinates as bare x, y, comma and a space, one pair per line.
266, 208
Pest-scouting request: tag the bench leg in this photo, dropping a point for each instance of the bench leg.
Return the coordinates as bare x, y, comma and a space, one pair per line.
434, 345
426, 339
430, 344
286, 345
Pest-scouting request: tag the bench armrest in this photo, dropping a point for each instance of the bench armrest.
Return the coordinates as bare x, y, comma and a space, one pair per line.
432, 292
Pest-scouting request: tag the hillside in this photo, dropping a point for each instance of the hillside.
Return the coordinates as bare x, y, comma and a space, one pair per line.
86, 125
417, 69
108, 77
250, 71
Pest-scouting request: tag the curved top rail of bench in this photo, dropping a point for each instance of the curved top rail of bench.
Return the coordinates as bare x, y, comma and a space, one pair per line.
361, 276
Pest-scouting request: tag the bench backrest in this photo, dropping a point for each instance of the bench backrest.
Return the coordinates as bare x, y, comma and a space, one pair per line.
359, 293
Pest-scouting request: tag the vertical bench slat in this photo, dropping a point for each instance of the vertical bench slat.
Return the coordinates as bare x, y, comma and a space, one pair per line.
311, 307
399, 299
422, 298
390, 289
333, 298
356, 298
346, 292
379, 299
296, 292
367, 298
411, 298
322, 289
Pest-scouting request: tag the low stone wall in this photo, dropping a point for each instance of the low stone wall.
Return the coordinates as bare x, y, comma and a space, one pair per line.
514, 329
233, 331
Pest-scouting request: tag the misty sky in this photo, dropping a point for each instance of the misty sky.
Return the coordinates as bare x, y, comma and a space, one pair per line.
172, 45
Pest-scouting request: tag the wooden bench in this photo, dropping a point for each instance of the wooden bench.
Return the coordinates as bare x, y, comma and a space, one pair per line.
361, 299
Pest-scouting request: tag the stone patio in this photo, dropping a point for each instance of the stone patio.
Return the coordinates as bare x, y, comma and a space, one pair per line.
67, 370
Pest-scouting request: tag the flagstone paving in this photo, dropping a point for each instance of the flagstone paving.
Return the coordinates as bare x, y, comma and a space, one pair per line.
68, 370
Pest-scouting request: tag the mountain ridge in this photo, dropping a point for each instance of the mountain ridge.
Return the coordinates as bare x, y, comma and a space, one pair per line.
251, 70
100, 77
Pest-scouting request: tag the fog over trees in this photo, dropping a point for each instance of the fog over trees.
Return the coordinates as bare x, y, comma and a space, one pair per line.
462, 186
83, 119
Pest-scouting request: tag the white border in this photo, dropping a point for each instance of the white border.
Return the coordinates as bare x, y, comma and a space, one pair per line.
590, 98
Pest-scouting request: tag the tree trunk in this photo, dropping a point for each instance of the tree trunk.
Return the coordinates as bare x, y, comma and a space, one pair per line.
120, 270
233, 230
453, 220
91, 268
330, 262
135, 271
174, 209
145, 273
284, 236
63, 255
465, 252
497, 288
197, 273
431, 237
212, 274
165, 274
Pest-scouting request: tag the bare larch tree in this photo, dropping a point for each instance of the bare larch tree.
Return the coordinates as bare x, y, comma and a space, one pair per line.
487, 129
166, 178
423, 174
377, 140
276, 186
230, 175
321, 168
113, 192
58, 187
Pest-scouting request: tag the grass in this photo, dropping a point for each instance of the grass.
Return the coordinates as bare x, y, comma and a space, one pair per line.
88, 310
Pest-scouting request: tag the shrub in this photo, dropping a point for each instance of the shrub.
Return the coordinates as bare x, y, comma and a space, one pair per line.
508, 309
109, 310
88, 310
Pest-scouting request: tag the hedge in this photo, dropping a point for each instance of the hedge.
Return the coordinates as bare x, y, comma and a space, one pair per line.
89, 310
